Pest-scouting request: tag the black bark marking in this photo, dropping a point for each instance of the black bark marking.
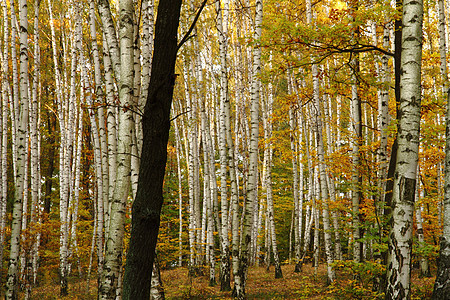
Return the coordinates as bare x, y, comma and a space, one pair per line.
407, 190
409, 137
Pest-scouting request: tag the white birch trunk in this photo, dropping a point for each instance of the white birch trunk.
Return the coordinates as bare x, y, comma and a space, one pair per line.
105, 157
297, 215
22, 117
63, 162
315, 215
208, 200
442, 284
224, 147
324, 191
137, 132
115, 232
330, 179
400, 237
112, 116
91, 253
14, 101
383, 112
424, 266
268, 153
356, 123
35, 143
4, 130
310, 215
190, 162
157, 289
180, 195
109, 30
252, 184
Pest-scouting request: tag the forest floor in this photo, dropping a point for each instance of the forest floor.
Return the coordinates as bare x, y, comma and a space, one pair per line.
261, 284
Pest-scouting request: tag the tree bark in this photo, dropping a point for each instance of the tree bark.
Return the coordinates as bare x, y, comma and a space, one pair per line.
22, 122
442, 284
4, 131
109, 30
399, 260
223, 147
155, 125
252, 184
115, 232
268, 154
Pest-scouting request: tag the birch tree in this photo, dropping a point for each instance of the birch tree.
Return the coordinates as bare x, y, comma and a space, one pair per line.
22, 125
4, 123
321, 155
356, 144
222, 19
442, 285
268, 154
399, 259
252, 184
35, 174
115, 232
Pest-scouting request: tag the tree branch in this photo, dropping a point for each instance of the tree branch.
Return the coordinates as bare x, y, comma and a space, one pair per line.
180, 114
187, 35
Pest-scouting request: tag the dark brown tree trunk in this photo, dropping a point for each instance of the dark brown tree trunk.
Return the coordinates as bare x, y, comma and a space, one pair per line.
155, 125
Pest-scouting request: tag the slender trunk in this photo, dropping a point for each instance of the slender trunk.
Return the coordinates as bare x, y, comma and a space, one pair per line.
4, 136
324, 191
191, 144
356, 144
268, 153
424, 266
22, 117
330, 176
208, 199
101, 114
180, 195
383, 115
35, 145
252, 184
115, 232
157, 289
442, 285
112, 127
14, 101
109, 30
297, 214
223, 150
310, 215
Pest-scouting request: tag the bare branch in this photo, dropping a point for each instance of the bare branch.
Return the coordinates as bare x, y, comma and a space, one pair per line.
187, 35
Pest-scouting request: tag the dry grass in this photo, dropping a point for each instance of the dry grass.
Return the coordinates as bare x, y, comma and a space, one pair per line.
261, 284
